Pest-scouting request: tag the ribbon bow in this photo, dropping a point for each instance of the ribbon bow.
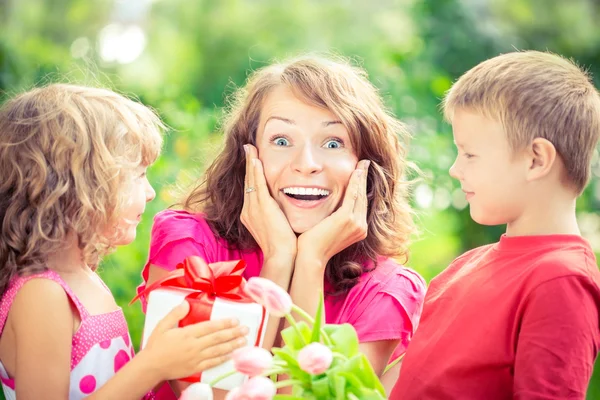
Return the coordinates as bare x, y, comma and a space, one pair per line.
206, 282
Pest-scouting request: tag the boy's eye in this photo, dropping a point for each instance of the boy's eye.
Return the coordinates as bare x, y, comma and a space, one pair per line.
333, 144
280, 141
468, 155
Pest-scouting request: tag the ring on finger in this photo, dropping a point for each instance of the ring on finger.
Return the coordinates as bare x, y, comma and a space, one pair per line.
250, 189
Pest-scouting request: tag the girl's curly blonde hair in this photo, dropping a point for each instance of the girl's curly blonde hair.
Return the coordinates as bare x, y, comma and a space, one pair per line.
66, 153
376, 135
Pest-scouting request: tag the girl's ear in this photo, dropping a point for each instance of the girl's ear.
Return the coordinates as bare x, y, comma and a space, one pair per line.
541, 158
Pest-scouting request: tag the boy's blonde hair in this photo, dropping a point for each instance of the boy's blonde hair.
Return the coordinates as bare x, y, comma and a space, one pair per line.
332, 83
536, 94
66, 156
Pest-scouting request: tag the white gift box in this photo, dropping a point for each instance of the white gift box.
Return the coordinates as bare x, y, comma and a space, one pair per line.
161, 301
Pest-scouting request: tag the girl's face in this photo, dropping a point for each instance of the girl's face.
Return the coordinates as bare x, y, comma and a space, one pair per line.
307, 156
140, 193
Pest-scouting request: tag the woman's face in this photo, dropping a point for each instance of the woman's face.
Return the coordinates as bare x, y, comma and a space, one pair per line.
307, 157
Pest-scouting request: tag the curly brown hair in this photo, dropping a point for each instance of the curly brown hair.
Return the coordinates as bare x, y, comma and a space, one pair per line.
66, 153
376, 135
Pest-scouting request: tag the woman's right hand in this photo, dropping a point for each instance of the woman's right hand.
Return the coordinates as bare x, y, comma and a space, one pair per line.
179, 352
262, 216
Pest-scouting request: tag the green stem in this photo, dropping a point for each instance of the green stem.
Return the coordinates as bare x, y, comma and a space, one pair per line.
274, 371
310, 319
288, 382
340, 356
292, 322
220, 378
303, 314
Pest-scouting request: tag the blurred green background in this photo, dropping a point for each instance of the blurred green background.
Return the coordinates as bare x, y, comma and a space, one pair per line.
181, 57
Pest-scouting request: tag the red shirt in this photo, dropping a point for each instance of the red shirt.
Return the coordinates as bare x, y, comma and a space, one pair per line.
517, 319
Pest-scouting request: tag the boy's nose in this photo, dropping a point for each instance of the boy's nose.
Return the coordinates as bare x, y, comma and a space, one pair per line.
454, 171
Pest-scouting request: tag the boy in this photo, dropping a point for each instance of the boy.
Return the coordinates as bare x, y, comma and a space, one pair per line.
518, 318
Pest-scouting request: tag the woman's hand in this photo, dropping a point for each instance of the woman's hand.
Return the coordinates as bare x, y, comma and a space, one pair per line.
262, 216
346, 226
180, 352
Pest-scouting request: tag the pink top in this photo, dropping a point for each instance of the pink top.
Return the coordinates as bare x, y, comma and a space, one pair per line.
385, 304
100, 347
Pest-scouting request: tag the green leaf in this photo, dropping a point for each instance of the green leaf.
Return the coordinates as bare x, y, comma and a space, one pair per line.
295, 372
394, 363
320, 387
370, 394
316, 332
291, 337
339, 383
369, 376
344, 338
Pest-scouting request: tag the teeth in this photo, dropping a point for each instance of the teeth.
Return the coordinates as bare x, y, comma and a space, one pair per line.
306, 191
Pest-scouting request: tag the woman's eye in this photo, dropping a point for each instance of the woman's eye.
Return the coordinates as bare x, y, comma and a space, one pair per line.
468, 155
281, 141
333, 144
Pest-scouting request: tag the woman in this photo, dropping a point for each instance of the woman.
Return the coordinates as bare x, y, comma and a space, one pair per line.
318, 207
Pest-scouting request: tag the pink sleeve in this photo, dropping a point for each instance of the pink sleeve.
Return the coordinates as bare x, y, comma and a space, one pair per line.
175, 236
394, 312
558, 340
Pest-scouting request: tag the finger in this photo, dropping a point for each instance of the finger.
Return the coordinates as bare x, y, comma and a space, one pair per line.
352, 190
223, 348
223, 335
204, 328
250, 156
361, 204
260, 182
212, 362
173, 317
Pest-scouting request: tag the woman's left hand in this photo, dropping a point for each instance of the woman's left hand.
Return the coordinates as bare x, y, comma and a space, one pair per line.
346, 226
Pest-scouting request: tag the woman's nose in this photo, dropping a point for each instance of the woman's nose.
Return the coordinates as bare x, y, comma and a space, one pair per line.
307, 160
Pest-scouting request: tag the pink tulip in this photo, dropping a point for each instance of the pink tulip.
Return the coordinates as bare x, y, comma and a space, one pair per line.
252, 361
273, 298
315, 358
197, 391
257, 388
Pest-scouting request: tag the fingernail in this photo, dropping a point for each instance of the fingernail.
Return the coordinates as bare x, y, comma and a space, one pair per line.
359, 172
366, 164
254, 161
235, 322
244, 330
241, 341
246, 148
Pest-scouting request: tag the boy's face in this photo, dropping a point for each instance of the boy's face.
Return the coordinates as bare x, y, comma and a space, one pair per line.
492, 176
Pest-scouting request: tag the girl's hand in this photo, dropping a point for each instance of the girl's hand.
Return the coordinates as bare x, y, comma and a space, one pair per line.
262, 216
180, 352
346, 226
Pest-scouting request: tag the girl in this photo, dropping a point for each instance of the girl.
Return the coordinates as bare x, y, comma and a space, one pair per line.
72, 187
319, 205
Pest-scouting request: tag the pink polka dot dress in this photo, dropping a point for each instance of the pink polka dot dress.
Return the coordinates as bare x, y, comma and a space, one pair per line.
100, 347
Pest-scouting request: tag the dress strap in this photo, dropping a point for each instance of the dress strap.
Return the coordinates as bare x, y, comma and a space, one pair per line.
17, 283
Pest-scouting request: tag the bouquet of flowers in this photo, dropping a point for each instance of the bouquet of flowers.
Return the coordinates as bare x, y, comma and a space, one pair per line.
318, 361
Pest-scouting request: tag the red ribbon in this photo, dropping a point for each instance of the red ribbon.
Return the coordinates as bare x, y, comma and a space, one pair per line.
206, 282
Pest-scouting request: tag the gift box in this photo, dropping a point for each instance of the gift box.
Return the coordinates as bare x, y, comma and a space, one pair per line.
214, 291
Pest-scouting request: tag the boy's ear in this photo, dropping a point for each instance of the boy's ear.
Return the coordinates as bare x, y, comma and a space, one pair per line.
541, 156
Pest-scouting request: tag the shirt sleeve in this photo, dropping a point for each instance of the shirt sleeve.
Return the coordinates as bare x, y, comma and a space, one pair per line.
394, 311
558, 340
176, 235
